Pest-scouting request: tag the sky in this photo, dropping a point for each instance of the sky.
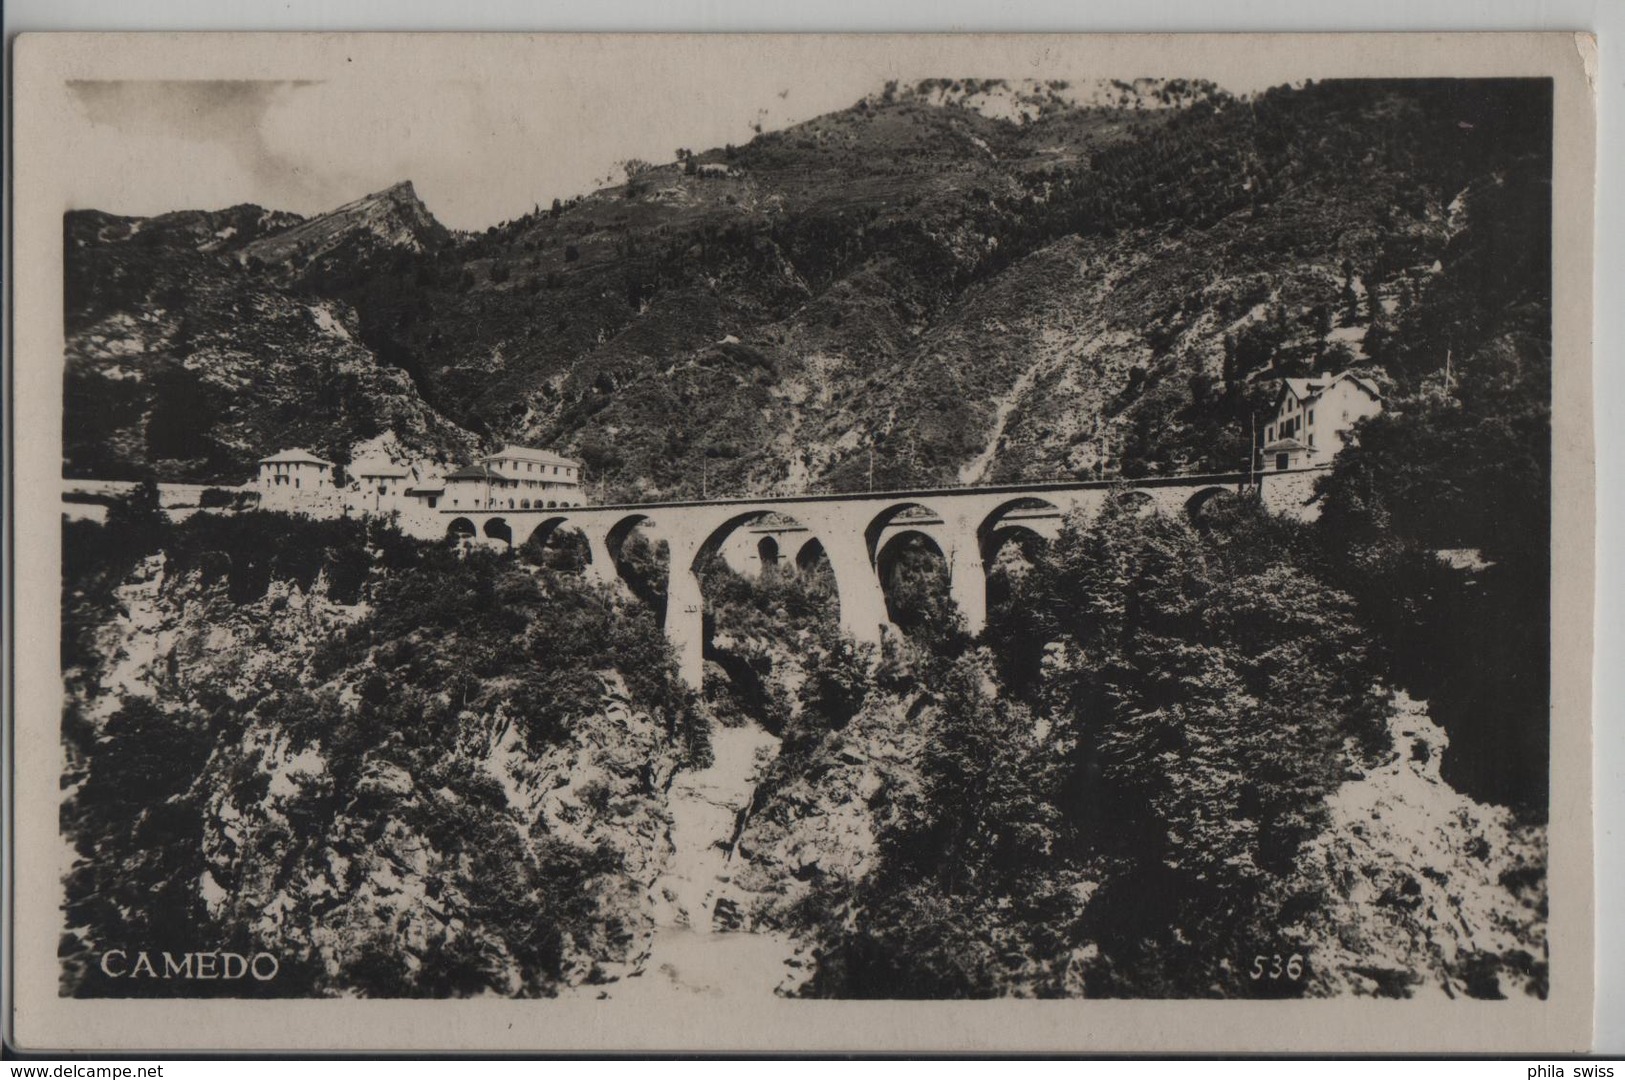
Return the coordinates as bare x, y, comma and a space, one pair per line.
477, 151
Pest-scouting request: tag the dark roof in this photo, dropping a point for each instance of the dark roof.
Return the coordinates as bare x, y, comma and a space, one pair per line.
296, 457
1284, 444
475, 472
531, 454
1309, 389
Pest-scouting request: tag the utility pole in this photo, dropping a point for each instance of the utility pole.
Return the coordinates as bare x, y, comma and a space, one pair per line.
705, 477
871, 463
1252, 453
1447, 371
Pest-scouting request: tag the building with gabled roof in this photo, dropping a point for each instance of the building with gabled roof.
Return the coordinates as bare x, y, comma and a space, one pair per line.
378, 486
296, 480
513, 478
1313, 416
296, 456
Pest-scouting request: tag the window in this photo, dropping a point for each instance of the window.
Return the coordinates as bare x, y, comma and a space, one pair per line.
432, 501
1280, 461
1311, 416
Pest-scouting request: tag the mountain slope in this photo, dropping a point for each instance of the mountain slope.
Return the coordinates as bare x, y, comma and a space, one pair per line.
191, 351
394, 218
972, 278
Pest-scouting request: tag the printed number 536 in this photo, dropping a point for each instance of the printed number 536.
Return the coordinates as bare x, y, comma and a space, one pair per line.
1274, 967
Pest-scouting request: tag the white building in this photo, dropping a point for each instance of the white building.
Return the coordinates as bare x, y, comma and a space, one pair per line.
539, 474
513, 478
1312, 416
379, 487
297, 480
427, 493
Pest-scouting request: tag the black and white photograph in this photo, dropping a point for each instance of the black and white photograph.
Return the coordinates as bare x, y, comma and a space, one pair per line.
667, 532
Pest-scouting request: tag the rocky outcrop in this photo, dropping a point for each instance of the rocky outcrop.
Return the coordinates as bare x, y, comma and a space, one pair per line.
366, 861
820, 808
1424, 891
1431, 892
394, 217
325, 825
171, 636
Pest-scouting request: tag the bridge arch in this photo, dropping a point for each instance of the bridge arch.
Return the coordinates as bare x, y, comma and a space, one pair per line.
713, 571
1205, 497
544, 530
1010, 539
768, 553
916, 579
767, 550
497, 528
641, 558
460, 529
914, 513
617, 533
1135, 501
1020, 518
810, 555
559, 543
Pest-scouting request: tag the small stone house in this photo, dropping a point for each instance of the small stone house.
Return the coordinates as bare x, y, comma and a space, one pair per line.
378, 486
1312, 416
295, 479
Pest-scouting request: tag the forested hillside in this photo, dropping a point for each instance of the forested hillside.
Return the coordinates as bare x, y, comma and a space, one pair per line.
406, 772
1080, 290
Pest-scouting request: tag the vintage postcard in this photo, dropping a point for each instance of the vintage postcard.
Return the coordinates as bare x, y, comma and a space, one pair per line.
804, 543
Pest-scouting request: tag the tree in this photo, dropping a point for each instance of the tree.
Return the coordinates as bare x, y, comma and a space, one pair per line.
1466, 472
1210, 698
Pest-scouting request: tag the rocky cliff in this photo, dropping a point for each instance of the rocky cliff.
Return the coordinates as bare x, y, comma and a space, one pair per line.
1431, 894
420, 844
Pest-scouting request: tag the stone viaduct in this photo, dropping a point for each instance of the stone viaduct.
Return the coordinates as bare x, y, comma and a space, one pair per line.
854, 531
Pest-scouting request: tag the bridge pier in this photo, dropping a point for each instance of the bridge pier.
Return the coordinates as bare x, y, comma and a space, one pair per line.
601, 562
967, 584
857, 586
685, 602
685, 623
